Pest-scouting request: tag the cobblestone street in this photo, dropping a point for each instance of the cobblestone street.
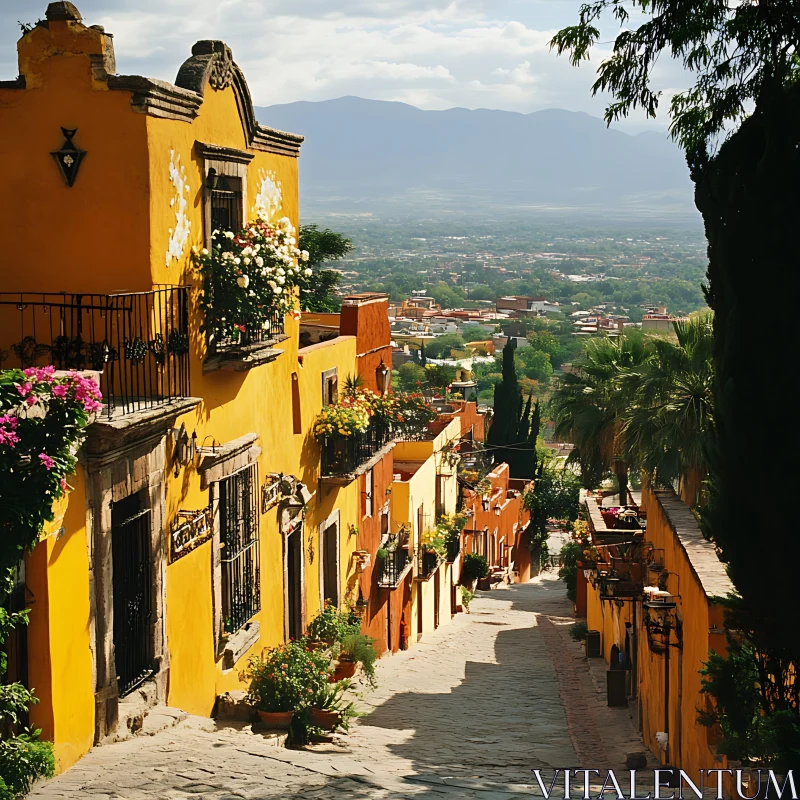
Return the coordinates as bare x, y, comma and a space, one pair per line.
466, 713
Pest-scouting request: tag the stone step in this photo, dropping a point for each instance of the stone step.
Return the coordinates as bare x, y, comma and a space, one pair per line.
160, 718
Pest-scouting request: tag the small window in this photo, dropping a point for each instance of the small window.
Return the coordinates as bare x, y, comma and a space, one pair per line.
226, 204
330, 387
369, 487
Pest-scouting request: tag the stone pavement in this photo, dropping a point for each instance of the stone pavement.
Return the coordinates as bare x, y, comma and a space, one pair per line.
466, 713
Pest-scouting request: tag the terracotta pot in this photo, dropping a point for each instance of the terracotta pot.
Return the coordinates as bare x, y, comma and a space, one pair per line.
277, 720
327, 720
343, 670
312, 645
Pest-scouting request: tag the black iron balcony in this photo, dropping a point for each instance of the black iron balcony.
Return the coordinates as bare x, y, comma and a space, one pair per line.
138, 341
343, 455
392, 567
427, 562
453, 549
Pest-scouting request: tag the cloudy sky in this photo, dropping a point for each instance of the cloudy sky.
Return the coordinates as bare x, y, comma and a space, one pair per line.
430, 53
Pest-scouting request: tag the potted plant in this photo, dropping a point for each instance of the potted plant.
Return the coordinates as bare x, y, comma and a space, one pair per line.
355, 650
333, 624
284, 680
473, 568
466, 597
328, 707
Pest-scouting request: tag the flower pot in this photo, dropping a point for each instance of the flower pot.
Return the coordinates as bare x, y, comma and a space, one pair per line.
276, 720
344, 669
327, 720
319, 645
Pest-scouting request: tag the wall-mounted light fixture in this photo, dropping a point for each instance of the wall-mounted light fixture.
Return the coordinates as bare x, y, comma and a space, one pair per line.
381, 374
184, 447
498, 510
212, 179
69, 157
485, 503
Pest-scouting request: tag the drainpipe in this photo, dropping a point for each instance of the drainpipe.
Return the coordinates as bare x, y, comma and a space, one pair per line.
666, 691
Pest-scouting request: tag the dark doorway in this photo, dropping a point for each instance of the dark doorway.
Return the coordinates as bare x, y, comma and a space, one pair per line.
330, 564
419, 610
130, 558
294, 583
437, 596
16, 650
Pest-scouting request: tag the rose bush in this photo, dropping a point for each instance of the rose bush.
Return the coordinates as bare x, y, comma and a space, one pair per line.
249, 277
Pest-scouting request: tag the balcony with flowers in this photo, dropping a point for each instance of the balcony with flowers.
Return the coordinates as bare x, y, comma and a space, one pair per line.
354, 432
251, 281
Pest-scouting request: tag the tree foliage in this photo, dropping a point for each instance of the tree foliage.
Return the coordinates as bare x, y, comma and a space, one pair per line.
515, 423
737, 53
322, 246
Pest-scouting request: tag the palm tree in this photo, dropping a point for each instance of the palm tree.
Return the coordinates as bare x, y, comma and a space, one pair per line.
671, 407
588, 407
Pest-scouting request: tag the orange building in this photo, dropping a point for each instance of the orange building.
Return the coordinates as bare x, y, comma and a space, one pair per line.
654, 598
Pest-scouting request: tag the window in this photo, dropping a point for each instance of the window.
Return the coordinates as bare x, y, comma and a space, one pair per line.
241, 588
369, 488
226, 204
330, 387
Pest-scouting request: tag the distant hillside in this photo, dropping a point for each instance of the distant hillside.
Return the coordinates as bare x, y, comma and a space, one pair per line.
375, 152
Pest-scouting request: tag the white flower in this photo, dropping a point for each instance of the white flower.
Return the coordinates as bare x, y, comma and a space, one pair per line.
246, 260
248, 251
243, 281
228, 234
304, 255
281, 271
281, 280
256, 248
259, 261
307, 271
273, 285
237, 261
278, 290
292, 241
204, 251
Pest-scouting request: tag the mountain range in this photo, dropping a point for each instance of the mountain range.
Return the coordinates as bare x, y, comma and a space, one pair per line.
369, 153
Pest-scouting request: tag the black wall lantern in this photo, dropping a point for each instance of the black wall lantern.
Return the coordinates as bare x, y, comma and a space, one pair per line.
69, 157
381, 373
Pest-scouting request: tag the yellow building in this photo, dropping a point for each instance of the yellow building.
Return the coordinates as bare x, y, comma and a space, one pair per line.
203, 524
425, 487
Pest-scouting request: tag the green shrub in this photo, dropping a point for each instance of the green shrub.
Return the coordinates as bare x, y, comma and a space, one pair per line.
466, 598
333, 625
578, 630
571, 553
23, 759
361, 649
473, 568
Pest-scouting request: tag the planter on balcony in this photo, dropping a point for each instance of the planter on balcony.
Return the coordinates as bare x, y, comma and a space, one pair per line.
345, 456
392, 567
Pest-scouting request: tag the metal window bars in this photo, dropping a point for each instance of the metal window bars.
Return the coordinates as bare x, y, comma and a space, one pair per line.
241, 572
393, 566
138, 341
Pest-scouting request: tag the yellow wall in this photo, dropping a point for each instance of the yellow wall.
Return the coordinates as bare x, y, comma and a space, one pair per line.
58, 587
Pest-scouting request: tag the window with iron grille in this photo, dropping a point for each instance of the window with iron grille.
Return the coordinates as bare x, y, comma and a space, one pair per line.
226, 204
241, 589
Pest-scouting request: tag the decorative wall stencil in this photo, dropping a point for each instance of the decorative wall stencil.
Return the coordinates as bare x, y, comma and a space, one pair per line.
179, 235
189, 530
269, 197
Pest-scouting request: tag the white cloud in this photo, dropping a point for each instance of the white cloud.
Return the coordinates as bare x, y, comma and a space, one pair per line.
431, 53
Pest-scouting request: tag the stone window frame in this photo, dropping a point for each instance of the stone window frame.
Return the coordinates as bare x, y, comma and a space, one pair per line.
288, 515
333, 520
229, 163
330, 380
226, 460
136, 468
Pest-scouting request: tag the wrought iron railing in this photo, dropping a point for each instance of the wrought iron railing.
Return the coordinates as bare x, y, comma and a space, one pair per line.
392, 567
427, 562
344, 454
453, 549
139, 341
